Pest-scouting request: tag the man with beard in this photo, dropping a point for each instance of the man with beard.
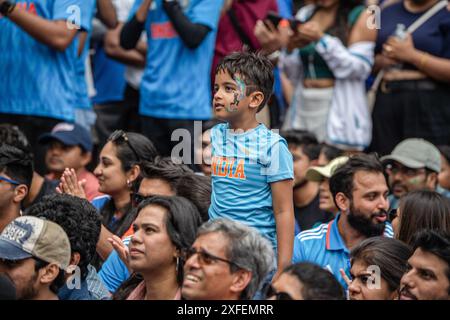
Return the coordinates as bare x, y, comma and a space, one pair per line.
414, 164
360, 192
428, 275
305, 151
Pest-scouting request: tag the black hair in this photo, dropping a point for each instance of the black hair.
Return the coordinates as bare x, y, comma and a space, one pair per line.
10, 134
182, 221
437, 243
342, 178
58, 282
317, 283
197, 189
16, 163
390, 255
305, 140
331, 152
78, 218
445, 152
255, 69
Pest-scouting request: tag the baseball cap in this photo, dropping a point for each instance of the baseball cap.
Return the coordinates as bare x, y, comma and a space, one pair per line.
416, 153
319, 173
29, 236
70, 134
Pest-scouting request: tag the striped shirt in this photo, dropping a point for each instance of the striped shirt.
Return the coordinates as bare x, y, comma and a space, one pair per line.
325, 247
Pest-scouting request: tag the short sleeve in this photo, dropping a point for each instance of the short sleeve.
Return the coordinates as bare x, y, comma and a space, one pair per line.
134, 8
114, 272
298, 254
281, 165
123, 9
77, 11
206, 12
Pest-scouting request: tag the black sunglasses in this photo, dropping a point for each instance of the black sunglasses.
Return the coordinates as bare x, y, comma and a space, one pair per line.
120, 134
205, 258
137, 198
271, 292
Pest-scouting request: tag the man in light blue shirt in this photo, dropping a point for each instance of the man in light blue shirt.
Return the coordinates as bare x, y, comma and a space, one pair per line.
360, 192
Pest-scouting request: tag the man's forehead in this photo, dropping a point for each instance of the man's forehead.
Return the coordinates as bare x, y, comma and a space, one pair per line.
426, 260
369, 180
212, 242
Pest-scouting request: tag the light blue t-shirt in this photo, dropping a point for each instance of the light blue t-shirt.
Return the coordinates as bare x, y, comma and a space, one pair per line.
82, 100
243, 167
325, 247
39, 80
176, 81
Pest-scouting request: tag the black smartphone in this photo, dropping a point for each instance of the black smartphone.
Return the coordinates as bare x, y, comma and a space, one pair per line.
294, 23
274, 18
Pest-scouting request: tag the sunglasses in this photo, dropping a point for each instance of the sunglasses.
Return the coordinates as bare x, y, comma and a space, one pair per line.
120, 134
14, 182
205, 258
271, 292
137, 198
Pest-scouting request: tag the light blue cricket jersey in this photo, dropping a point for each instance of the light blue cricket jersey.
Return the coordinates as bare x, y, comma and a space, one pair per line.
82, 100
176, 81
38, 80
243, 167
324, 246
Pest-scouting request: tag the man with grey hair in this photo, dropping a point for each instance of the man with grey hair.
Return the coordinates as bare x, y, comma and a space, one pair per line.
228, 261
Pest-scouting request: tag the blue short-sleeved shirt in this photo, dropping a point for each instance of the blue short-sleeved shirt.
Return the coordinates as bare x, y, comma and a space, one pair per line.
176, 82
325, 247
243, 167
114, 272
38, 80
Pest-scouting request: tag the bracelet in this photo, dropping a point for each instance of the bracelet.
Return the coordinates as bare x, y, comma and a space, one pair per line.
423, 60
6, 8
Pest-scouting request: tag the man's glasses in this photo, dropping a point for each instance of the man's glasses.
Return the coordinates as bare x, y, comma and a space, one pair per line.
137, 198
271, 292
205, 258
120, 134
14, 182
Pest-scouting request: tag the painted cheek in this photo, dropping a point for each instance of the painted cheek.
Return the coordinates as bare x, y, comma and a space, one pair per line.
233, 107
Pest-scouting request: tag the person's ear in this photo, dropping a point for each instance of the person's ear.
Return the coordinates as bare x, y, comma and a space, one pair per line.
241, 279
86, 157
134, 172
49, 273
75, 259
20, 192
314, 163
256, 100
342, 202
432, 181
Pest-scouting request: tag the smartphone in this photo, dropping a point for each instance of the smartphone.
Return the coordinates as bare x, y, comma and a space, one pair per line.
294, 23
274, 18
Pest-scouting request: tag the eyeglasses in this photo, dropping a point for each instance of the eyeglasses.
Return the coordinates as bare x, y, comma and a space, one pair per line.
204, 257
120, 134
408, 172
14, 182
137, 198
271, 292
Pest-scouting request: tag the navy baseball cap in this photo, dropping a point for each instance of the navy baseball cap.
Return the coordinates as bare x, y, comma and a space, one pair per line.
70, 134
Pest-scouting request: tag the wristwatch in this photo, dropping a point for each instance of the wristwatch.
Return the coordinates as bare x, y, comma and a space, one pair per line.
6, 7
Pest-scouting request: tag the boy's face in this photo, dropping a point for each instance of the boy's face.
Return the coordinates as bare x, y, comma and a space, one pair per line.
60, 156
230, 98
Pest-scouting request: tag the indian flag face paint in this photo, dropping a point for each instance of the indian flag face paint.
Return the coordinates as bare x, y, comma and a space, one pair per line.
238, 96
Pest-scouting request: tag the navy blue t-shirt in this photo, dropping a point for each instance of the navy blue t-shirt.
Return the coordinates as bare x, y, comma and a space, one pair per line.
432, 37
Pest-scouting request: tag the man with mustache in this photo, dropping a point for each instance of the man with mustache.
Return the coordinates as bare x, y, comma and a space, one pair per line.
428, 275
414, 164
360, 192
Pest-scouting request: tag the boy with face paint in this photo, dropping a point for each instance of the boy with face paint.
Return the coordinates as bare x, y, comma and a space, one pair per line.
252, 168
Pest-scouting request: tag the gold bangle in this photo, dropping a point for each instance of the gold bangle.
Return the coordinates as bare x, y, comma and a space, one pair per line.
423, 60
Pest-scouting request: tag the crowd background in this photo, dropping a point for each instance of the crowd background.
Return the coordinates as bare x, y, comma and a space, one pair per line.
92, 91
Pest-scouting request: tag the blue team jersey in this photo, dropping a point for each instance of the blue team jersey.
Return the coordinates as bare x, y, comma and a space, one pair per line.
114, 272
324, 246
176, 81
82, 100
243, 167
39, 80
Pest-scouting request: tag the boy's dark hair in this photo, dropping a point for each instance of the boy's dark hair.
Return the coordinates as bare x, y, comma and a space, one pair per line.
342, 179
304, 140
435, 242
317, 283
78, 218
445, 152
10, 134
331, 152
255, 70
197, 189
16, 163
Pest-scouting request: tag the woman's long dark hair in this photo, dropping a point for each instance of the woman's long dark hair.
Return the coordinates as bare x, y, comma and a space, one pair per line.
341, 27
182, 222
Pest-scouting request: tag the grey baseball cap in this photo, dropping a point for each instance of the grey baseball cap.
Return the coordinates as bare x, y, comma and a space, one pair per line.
416, 153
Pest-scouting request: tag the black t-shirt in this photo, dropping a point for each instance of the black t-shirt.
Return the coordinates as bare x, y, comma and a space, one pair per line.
48, 187
308, 216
